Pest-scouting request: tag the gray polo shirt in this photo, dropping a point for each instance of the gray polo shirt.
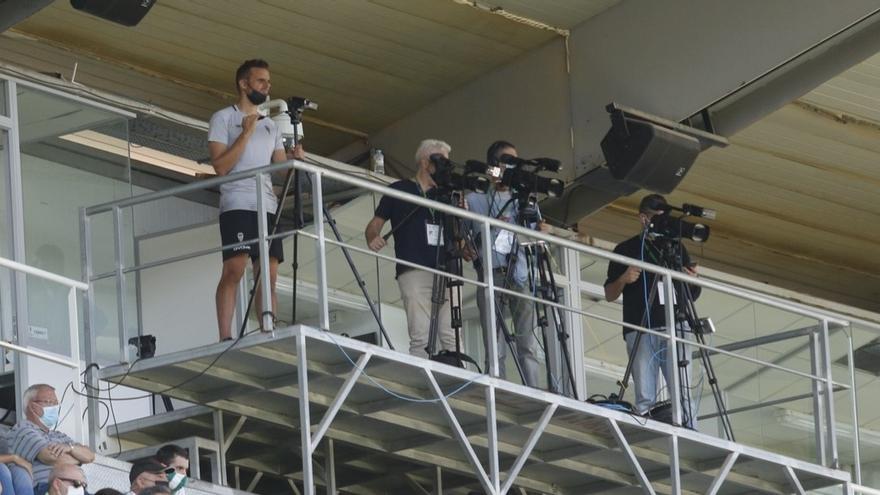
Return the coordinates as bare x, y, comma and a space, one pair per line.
27, 440
225, 127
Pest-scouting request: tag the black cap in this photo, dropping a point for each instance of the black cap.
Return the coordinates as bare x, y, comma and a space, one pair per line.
653, 202
145, 466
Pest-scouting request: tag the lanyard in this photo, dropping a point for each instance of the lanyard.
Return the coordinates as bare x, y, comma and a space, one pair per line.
419, 186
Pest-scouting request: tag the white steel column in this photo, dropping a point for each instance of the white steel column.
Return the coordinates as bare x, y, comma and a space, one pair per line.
266, 311
574, 322
304, 419
320, 252
489, 303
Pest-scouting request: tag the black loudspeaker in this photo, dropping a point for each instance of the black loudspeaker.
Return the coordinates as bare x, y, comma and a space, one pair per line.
125, 12
649, 156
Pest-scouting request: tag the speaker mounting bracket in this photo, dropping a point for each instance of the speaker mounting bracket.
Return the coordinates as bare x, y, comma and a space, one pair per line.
619, 113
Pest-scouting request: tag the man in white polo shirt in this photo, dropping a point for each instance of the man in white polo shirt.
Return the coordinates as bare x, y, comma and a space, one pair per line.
240, 139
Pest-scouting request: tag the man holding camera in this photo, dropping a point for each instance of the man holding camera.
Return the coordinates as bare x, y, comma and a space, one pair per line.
418, 239
240, 139
636, 287
509, 268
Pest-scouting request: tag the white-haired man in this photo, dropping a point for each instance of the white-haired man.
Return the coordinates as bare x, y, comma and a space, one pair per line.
418, 239
37, 441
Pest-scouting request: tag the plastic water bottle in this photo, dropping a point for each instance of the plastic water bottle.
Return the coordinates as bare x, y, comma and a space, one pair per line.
377, 160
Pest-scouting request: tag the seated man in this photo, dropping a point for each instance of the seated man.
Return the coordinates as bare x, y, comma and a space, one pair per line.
146, 474
36, 440
67, 479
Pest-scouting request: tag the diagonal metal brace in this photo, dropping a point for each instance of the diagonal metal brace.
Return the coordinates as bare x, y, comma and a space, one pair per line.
460, 435
356, 372
528, 447
647, 489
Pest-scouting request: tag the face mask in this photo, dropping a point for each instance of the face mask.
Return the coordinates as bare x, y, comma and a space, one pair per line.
256, 97
176, 482
50, 416
76, 491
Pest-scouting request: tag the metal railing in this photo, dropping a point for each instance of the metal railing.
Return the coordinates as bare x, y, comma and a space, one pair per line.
822, 381
74, 363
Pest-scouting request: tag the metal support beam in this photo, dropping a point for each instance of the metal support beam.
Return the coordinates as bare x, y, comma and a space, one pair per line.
304, 420
460, 436
574, 322
854, 397
330, 467
293, 487
492, 436
722, 474
438, 480
818, 399
672, 357
265, 317
793, 479
674, 465
320, 253
528, 447
232, 434
828, 385
340, 398
220, 438
489, 302
645, 483
253, 483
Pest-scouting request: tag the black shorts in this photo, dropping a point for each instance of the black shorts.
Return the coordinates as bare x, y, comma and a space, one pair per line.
241, 225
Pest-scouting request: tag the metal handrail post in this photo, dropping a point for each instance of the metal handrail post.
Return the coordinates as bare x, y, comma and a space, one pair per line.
320, 253
857, 456
119, 262
671, 350
833, 459
489, 302
267, 323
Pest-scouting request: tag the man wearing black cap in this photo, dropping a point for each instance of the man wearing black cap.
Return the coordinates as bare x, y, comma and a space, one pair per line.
636, 287
145, 474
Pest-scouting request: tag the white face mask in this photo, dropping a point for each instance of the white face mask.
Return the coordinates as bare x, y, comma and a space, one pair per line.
76, 491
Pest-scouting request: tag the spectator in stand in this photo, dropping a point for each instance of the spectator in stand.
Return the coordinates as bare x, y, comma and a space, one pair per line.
15, 475
145, 474
174, 456
36, 441
67, 479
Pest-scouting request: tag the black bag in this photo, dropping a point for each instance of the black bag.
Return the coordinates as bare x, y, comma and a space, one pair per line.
453, 358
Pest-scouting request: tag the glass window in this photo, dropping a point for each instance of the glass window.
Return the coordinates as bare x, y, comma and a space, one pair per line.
72, 155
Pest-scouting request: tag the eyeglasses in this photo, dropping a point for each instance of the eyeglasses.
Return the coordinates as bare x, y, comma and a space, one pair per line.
75, 483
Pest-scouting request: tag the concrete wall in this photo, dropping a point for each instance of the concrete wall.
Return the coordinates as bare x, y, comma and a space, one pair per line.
525, 102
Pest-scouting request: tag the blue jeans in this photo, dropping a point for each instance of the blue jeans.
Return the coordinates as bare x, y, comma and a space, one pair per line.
15, 480
649, 361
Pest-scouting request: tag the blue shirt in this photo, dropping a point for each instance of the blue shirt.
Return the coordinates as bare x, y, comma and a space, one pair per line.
497, 204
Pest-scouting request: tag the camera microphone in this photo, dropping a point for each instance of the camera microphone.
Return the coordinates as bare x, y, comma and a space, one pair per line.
698, 211
299, 103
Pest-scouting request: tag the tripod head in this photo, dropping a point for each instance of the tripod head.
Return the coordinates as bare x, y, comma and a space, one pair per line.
287, 116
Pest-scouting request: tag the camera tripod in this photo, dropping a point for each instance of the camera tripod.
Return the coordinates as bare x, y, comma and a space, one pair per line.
538, 259
669, 255
453, 234
294, 178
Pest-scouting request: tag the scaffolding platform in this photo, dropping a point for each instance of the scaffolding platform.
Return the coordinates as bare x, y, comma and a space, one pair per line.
382, 421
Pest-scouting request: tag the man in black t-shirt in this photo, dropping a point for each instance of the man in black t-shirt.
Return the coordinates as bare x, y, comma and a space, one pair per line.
418, 238
636, 287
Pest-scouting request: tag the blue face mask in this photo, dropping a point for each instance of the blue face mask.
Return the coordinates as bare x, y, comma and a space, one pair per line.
50, 416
